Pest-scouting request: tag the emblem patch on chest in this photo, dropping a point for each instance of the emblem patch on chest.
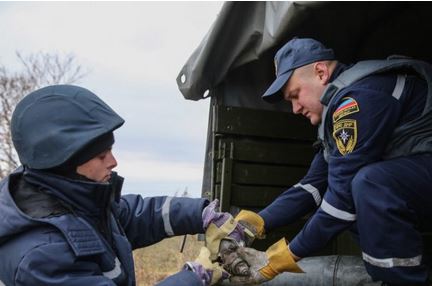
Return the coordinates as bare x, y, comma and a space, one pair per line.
345, 135
348, 106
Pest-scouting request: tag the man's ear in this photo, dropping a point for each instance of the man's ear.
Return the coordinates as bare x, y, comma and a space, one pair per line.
322, 72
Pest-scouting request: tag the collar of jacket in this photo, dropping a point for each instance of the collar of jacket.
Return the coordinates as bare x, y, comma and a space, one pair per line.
80, 235
325, 98
340, 68
85, 197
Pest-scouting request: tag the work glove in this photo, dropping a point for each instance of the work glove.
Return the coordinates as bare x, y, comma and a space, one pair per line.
224, 235
218, 226
209, 272
252, 225
243, 229
264, 266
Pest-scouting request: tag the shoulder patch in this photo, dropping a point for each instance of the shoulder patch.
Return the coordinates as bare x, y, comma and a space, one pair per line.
345, 135
348, 106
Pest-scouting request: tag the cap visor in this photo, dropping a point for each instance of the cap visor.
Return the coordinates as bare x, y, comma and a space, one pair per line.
273, 94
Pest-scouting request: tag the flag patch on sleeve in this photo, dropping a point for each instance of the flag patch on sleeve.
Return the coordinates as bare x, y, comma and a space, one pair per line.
348, 106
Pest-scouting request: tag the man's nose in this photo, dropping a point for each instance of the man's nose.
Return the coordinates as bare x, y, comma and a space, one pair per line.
296, 108
112, 160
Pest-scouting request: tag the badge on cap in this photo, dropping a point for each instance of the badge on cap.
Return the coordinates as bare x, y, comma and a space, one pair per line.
345, 135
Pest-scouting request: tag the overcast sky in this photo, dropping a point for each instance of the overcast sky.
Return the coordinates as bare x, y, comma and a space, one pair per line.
134, 52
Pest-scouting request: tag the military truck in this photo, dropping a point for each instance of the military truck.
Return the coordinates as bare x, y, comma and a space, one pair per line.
256, 150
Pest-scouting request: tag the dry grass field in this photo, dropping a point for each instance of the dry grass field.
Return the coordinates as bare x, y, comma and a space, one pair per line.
154, 263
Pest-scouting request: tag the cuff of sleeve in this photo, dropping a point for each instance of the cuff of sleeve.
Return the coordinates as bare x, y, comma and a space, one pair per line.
267, 218
182, 278
298, 249
186, 215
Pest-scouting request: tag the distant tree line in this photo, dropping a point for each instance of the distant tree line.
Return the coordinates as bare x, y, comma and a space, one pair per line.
37, 70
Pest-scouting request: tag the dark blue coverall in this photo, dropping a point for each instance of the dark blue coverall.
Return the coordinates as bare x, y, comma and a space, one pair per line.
387, 203
59, 231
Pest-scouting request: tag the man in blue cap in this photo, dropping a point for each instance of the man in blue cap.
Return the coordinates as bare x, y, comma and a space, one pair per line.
373, 172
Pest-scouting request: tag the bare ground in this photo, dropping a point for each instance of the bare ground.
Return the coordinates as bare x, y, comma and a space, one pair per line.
154, 263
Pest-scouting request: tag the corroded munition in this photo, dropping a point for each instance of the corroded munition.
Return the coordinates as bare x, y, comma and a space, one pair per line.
230, 260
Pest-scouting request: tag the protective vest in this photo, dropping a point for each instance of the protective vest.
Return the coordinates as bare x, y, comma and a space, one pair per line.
410, 138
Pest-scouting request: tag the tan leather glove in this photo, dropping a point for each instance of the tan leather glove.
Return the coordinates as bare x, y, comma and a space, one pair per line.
264, 266
253, 225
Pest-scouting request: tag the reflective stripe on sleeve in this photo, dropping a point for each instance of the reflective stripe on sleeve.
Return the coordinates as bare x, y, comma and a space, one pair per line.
113, 274
399, 86
331, 210
312, 190
166, 216
392, 262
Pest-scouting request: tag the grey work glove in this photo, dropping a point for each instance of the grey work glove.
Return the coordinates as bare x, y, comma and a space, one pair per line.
264, 266
256, 260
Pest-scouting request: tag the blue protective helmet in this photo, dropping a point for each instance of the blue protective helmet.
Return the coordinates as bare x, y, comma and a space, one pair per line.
53, 123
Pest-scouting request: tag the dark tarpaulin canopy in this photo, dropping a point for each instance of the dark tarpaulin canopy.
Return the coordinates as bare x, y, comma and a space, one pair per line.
235, 59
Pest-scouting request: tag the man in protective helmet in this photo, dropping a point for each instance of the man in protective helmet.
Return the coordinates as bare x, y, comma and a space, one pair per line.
62, 218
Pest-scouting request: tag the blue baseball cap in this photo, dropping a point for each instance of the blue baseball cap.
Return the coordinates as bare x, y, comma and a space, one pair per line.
296, 53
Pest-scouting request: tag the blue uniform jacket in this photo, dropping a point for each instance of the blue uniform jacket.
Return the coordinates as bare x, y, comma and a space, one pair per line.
363, 118
89, 238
